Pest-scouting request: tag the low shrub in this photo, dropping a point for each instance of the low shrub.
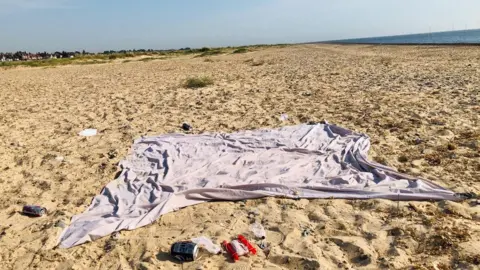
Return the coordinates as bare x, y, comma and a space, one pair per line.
198, 82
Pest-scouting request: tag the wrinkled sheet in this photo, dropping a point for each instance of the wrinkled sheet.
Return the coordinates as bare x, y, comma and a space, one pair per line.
168, 172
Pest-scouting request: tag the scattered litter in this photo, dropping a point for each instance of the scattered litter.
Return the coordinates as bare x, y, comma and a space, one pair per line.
59, 158
230, 250
206, 243
34, 210
307, 94
185, 251
263, 245
112, 154
284, 117
258, 230
88, 132
186, 127
239, 247
266, 251
245, 242
306, 232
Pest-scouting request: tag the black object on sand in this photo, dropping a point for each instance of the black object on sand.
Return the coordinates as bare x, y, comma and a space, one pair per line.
186, 127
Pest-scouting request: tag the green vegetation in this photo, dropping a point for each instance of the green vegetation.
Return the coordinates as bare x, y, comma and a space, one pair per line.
198, 82
90, 62
241, 50
51, 62
147, 59
108, 56
211, 52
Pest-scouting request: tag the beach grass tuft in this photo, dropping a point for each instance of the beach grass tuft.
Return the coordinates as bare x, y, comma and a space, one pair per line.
198, 82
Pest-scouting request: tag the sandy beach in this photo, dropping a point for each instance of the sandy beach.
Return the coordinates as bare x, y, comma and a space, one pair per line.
419, 105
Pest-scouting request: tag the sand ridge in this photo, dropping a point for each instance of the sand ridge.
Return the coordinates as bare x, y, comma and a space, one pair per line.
419, 105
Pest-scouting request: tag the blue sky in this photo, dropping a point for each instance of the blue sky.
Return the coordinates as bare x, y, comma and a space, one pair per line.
97, 25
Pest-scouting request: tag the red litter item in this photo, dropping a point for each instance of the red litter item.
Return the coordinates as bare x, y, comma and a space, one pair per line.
244, 241
228, 247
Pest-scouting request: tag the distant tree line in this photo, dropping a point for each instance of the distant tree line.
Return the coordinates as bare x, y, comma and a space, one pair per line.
26, 56
112, 54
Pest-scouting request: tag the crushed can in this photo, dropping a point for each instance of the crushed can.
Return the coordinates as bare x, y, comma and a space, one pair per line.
185, 251
34, 210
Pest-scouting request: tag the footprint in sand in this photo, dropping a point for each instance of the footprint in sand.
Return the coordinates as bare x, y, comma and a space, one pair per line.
275, 237
355, 253
236, 266
294, 262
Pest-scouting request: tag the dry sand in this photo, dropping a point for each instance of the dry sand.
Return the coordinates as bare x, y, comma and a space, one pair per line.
420, 105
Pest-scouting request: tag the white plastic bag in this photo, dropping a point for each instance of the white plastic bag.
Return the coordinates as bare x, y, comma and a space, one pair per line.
240, 248
206, 243
88, 132
258, 230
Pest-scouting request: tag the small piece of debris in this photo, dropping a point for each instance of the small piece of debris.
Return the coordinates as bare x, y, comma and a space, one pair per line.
88, 132
306, 94
112, 154
284, 117
186, 127
262, 245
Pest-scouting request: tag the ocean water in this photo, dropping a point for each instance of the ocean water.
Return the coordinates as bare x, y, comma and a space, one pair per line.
450, 37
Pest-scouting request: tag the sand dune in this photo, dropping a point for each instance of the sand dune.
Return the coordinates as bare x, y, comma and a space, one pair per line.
420, 106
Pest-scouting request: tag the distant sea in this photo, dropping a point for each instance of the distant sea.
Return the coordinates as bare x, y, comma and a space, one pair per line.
450, 37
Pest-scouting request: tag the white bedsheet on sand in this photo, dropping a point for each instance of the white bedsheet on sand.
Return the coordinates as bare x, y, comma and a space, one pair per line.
168, 172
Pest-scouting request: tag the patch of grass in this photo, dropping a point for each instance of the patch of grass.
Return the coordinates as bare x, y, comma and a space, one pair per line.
211, 52
105, 57
198, 82
240, 50
52, 62
126, 61
147, 59
91, 62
